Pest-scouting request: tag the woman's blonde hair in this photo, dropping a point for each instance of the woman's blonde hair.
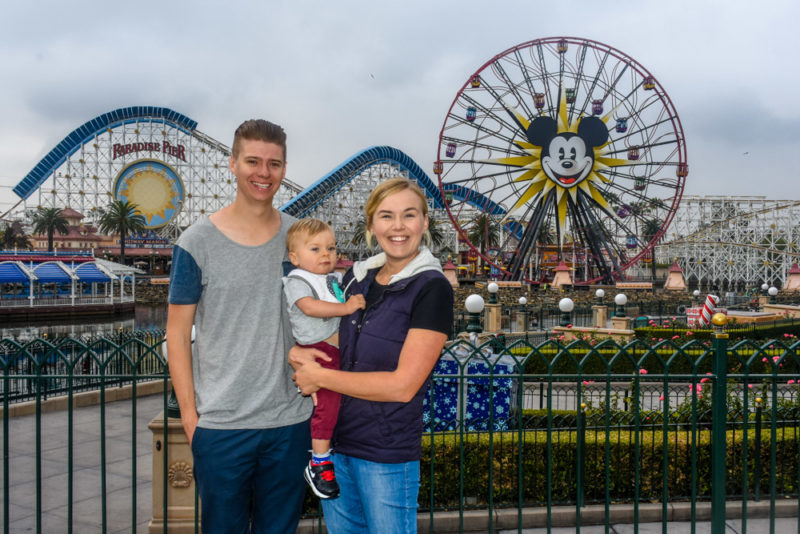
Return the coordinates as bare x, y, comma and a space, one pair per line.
390, 187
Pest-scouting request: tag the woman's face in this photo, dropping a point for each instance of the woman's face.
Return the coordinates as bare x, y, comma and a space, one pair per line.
398, 224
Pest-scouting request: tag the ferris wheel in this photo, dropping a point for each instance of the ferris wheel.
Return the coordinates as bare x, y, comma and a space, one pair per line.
561, 149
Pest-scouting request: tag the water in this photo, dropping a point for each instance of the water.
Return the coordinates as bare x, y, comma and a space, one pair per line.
142, 318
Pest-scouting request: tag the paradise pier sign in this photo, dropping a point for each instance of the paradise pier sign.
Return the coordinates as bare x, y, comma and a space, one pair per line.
178, 151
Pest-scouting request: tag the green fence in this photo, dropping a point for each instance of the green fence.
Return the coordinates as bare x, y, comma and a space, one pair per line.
509, 429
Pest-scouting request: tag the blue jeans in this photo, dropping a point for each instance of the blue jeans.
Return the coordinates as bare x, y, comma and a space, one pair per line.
245, 475
375, 498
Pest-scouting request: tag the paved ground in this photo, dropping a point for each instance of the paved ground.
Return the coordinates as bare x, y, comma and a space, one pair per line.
734, 526
87, 475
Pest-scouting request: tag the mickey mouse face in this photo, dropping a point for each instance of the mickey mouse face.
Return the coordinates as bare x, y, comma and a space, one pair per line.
568, 162
567, 158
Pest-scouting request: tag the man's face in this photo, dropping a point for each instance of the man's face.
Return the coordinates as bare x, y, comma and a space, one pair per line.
259, 169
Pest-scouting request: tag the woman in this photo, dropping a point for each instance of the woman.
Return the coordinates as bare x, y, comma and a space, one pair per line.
388, 351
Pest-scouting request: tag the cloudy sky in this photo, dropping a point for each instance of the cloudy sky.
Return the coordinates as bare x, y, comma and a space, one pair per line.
343, 76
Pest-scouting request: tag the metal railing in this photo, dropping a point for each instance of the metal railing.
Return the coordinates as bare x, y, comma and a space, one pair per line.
509, 428
64, 300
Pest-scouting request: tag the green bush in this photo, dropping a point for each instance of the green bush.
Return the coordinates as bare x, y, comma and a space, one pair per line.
479, 458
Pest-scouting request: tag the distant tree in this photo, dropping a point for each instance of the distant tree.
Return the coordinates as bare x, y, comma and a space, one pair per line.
14, 237
483, 231
49, 221
360, 232
649, 231
438, 239
120, 217
547, 235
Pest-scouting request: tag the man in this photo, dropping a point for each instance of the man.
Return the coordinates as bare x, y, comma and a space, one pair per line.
246, 423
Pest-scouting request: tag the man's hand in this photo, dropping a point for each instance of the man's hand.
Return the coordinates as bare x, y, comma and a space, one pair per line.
298, 356
189, 422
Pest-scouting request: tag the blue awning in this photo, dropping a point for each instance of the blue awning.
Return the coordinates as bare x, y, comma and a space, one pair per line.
88, 272
51, 272
10, 272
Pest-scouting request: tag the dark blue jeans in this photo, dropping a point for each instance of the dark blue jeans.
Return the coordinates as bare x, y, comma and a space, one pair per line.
244, 474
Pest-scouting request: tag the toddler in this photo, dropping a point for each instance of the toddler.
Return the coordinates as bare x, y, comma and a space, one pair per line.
316, 302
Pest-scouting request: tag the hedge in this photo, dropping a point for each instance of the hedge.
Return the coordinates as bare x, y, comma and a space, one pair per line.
666, 357
503, 450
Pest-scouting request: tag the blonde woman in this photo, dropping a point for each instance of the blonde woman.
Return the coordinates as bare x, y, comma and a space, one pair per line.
388, 351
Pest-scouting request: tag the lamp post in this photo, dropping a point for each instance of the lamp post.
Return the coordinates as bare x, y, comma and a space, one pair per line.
492, 288
474, 304
620, 300
765, 288
599, 294
566, 306
695, 295
523, 304
773, 291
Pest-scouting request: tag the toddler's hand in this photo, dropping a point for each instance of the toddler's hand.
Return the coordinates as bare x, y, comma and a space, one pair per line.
356, 302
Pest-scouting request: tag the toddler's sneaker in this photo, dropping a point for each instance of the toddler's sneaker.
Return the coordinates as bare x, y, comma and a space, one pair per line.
322, 480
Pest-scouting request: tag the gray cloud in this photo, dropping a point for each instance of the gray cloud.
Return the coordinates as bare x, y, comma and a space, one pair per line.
341, 76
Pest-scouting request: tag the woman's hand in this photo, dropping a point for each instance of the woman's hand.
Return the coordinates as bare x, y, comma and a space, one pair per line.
306, 376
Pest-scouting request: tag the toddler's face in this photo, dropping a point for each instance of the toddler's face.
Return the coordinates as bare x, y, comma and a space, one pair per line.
316, 253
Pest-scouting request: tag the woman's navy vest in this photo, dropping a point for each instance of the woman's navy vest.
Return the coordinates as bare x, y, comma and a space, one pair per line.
371, 340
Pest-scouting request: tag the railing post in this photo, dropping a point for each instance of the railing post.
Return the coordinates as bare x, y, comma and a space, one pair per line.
541, 395
719, 425
581, 445
757, 468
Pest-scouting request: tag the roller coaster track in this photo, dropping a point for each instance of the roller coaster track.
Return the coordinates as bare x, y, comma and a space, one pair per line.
324, 188
85, 132
736, 245
707, 231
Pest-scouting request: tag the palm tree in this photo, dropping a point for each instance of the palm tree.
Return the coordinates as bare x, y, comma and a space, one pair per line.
547, 235
14, 237
649, 231
484, 232
121, 218
360, 232
49, 221
437, 235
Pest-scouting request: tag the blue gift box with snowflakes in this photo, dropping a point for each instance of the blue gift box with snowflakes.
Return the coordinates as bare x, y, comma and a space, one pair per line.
466, 381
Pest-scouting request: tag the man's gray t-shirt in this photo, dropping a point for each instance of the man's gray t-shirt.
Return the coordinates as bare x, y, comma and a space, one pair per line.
242, 378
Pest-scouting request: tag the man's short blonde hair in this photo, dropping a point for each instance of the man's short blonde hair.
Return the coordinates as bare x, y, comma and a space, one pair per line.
303, 229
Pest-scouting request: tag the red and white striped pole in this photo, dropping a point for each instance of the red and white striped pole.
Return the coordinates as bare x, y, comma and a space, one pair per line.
708, 310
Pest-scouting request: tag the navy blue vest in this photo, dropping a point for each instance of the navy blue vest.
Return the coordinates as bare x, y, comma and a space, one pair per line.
371, 340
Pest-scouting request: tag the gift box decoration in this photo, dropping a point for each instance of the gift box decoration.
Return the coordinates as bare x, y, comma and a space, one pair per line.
476, 392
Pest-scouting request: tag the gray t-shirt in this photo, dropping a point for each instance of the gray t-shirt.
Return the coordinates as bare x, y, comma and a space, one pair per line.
242, 377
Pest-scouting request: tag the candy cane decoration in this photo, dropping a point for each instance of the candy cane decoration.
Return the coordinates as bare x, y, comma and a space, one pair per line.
708, 309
